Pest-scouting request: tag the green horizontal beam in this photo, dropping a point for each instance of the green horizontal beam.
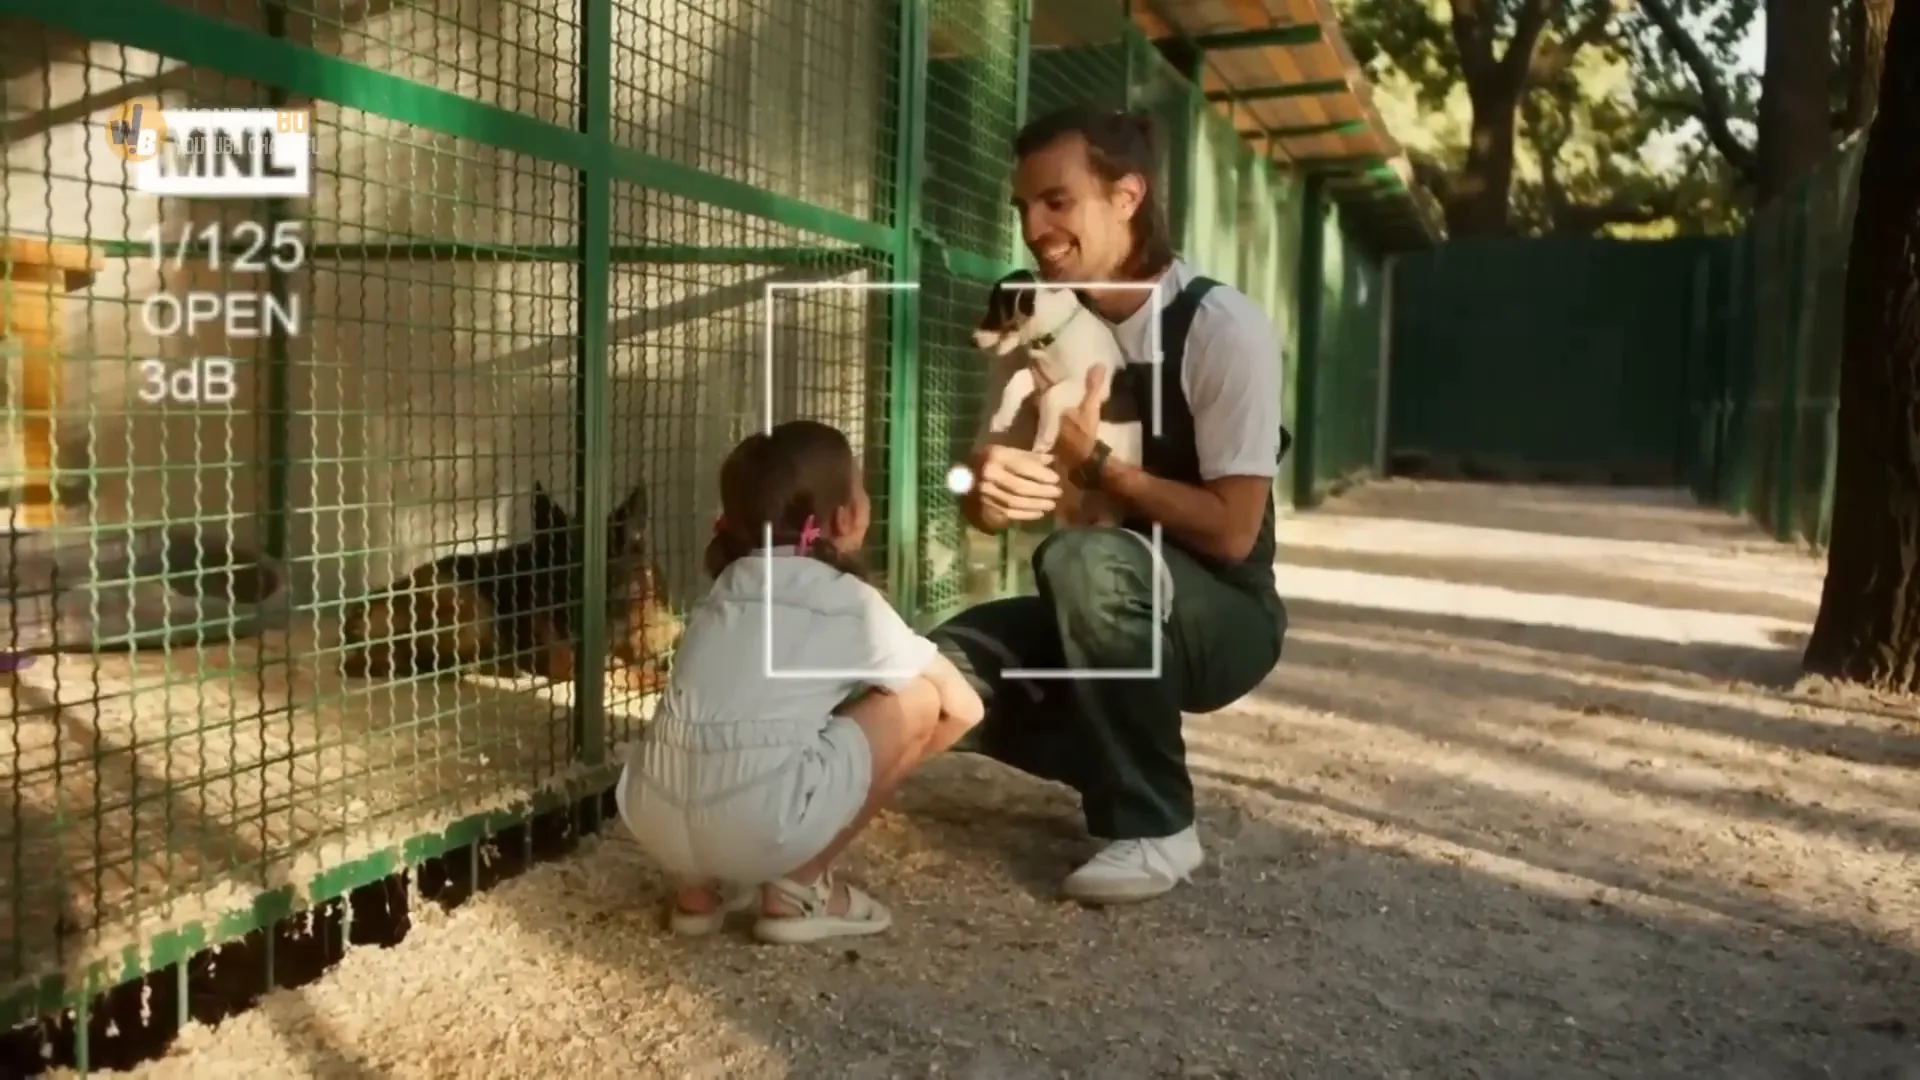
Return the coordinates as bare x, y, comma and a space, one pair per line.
1355, 163
455, 251
1276, 93
1302, 131
204, 41
1373, 178
1304, 34
1377, 195
978, 267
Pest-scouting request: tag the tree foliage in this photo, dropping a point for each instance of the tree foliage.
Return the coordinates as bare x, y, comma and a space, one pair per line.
1571, 116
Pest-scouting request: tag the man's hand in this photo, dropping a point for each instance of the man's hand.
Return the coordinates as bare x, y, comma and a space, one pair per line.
1079, 429
1013, 485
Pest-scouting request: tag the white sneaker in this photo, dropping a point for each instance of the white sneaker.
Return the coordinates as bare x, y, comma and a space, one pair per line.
1132, 870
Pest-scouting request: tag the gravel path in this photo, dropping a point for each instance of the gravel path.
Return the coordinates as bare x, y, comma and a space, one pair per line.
1532, 794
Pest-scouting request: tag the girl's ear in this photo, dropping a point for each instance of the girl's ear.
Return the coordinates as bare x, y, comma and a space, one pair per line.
843, 521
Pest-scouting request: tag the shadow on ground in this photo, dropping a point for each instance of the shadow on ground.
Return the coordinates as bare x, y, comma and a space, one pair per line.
1399, 884
1652, 515
1296, 953
1439, 847
1589, 651
1547, 575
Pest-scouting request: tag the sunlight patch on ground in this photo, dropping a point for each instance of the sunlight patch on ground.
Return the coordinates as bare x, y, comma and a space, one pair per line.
1419, 596
1784, 573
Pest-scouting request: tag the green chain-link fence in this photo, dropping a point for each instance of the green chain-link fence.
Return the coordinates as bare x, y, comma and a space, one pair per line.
1712, 362
1770, 335
546, 254
1341, 431
564, 252
1561, 358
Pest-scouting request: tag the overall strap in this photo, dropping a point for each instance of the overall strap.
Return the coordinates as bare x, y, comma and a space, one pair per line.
1176, 320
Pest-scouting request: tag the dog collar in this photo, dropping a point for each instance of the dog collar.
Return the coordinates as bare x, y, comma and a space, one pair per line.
1053, 335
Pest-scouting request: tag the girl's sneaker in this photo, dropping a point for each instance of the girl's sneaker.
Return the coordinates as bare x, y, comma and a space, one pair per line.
813, 920
733, 900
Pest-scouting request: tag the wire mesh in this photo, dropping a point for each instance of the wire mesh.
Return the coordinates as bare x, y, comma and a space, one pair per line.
1160, 91
1349, 359
1785, 309
790, 97
395, 531
1078, 55
277, 470
973, 108
1556, 359
1213, 218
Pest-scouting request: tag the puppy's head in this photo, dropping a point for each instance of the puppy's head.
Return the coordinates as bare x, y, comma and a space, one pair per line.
1010, 308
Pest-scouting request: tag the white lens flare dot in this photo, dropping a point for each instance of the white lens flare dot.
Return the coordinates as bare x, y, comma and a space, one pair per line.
959, 479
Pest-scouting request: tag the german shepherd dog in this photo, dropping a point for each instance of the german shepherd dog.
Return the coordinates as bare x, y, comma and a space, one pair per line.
514, 607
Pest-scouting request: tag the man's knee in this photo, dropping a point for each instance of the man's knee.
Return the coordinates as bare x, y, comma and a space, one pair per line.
1084, 565
982, 641
1098, 580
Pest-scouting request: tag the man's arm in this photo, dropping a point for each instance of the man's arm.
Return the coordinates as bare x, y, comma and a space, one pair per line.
1231, 377
1221, 519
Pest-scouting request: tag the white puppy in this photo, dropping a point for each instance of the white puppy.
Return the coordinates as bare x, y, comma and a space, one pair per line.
1061, 342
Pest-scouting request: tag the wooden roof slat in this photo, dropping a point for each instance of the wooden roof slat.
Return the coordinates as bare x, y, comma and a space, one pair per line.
1289, 74
1283, 91
1265, 37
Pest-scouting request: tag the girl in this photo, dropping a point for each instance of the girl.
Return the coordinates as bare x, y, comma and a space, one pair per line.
799, 701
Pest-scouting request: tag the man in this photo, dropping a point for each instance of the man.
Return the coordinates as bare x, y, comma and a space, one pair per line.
1089, 214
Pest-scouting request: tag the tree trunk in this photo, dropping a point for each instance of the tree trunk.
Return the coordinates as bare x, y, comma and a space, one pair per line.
1480, 198
1795, 109
1868, 629
1866, 52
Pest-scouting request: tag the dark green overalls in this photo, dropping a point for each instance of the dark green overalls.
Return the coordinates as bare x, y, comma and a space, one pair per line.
1117, 741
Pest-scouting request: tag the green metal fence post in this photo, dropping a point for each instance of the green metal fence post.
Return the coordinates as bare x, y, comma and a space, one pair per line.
279, 409
1786, 485
1381, 404
1022, 45
1184, 145
1307, 342
1694, 447
592, 434
903, 306
1736, 443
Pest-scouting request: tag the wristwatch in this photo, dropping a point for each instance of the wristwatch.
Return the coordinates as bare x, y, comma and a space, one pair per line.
1087, 476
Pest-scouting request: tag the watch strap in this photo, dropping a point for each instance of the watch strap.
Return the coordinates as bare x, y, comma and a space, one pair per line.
1087, 476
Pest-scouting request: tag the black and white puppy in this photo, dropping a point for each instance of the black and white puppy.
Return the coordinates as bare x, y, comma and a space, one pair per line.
1060, 341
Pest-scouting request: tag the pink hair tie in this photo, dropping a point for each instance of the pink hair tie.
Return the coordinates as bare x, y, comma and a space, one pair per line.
809, 533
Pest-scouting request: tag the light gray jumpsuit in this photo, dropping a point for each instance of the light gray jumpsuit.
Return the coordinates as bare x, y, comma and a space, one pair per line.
746, 773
